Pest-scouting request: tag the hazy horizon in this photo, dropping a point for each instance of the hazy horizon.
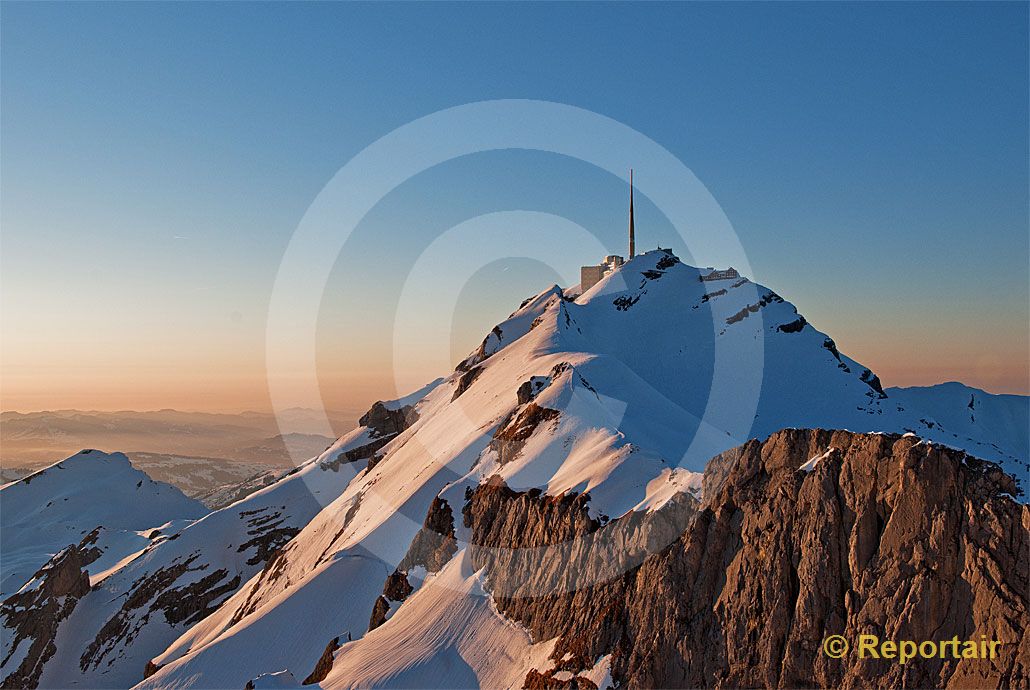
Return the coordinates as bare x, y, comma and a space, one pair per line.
212, 411
354, 411
700, 331
358, 407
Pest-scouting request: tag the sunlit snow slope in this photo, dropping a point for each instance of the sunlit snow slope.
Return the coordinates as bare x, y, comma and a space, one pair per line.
178, 574
623, 392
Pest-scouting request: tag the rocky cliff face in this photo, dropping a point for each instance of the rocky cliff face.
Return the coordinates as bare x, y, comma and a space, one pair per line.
809, 534
560, 468
33, 615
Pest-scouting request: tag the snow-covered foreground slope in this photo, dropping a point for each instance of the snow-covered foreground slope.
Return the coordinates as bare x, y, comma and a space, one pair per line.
447, 635
352, 571
62, 504
623, 392
138, 606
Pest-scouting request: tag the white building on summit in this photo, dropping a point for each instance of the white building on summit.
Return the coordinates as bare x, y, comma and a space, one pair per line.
589, 276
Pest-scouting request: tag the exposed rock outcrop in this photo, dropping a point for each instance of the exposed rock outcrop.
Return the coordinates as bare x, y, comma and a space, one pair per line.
667, 261
367, 451
528, 390
325, 663
124, 625
483, 351
873, 381
434, 544
511, 436
88, 549
150, 669
396, 589
384, 425
33, 615
879, 534
768, 298
624, 302
195, 601
384, 421
380, 609
548, 681
268, 534
832, 347
795, 326
559, 571
809, 534
465, 381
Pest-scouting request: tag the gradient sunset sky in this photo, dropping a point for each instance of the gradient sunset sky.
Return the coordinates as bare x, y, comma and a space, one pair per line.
156, 159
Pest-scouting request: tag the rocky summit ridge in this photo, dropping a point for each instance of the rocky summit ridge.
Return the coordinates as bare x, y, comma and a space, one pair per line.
633, 485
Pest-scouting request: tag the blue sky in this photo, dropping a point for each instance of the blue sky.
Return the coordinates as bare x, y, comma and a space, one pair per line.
156, 159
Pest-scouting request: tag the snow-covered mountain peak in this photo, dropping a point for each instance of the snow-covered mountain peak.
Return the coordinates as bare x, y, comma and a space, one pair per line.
603, 407
86, 460
60, 504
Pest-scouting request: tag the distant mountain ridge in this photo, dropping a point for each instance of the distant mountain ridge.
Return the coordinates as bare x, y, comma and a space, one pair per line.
60, 505
579, 417
36, 438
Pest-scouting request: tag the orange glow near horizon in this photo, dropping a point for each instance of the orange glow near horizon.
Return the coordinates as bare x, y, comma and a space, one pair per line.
126, 380
194, 358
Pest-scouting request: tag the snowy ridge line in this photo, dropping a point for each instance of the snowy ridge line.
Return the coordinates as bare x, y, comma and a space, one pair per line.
598, 398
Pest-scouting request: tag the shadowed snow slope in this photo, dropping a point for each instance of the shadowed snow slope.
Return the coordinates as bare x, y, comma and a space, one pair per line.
175, 579
986, 425
623, 392
60, 505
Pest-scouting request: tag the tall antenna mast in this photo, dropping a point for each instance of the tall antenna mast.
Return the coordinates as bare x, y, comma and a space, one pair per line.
632, 242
